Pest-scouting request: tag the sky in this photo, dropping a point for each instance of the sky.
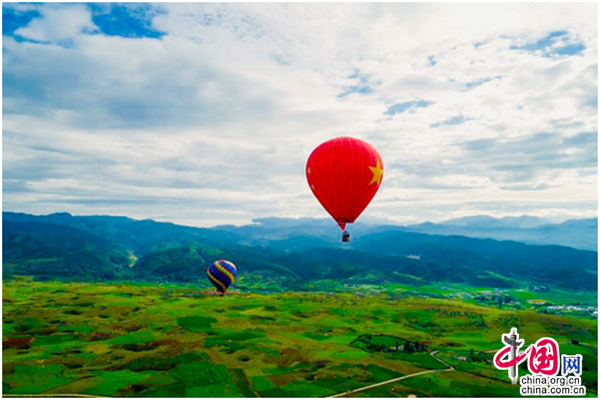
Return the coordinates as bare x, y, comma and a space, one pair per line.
205, 113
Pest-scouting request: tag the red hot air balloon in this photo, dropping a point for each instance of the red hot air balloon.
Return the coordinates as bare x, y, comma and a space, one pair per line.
344, 174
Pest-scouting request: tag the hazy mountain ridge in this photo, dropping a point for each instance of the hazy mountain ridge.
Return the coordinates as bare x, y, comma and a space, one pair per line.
524, 221
105, 248
579, 233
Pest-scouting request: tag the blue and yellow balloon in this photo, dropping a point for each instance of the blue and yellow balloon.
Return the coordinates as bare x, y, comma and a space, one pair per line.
222, 274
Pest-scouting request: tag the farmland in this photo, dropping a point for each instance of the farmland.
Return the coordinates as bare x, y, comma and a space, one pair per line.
148, 340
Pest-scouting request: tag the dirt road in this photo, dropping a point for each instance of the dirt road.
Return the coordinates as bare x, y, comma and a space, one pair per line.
432, 354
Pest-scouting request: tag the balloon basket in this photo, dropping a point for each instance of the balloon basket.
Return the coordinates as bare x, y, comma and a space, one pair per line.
345, 237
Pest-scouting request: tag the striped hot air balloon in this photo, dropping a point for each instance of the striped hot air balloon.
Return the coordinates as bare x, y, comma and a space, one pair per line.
222, 274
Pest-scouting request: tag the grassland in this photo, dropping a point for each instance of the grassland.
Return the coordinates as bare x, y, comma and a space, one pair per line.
174, 341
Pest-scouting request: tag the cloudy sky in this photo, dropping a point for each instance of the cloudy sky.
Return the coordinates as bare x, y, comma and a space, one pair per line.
204, 114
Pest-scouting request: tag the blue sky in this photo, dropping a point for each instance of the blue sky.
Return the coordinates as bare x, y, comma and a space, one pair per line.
554, 43
205, 113
130, 20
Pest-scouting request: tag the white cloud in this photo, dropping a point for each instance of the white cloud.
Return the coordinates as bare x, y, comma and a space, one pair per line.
213, 122
57, 22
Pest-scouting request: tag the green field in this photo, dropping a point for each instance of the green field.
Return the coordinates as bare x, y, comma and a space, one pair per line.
173, 341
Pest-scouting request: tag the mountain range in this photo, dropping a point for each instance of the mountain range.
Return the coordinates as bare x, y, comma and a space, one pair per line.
577, 233
104, 248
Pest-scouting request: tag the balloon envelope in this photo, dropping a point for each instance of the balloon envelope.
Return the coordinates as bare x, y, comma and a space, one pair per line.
222, 274
344, 174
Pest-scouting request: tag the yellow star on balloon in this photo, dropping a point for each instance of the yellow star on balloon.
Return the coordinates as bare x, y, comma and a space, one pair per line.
377, 173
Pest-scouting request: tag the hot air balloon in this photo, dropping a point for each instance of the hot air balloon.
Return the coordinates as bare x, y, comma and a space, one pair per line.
222, 274
344, 174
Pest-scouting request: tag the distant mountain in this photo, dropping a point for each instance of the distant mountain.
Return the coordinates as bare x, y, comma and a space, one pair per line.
140, 237
588, 223
580, 233
62, 246
49, 250
308, 232
509, 259
289, 234
161, 250
485, 221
